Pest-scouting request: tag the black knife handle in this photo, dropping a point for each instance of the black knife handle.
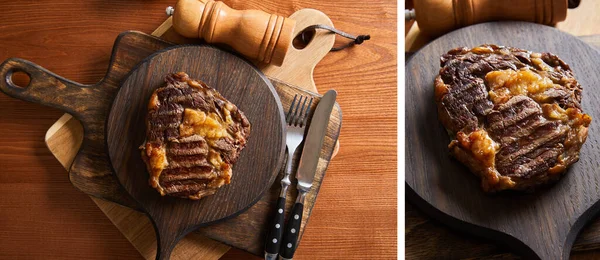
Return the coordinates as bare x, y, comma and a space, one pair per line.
273, 240
290, 236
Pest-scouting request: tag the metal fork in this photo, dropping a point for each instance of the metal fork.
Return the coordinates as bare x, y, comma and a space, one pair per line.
296, 119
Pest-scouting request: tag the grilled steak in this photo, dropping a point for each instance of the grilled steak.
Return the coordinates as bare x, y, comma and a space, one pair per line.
193, 138
514, 116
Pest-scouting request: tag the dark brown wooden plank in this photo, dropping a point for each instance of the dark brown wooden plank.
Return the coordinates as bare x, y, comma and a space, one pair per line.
427, 238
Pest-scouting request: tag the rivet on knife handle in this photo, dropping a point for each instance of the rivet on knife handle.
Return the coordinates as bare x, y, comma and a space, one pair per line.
273, 240
292, 229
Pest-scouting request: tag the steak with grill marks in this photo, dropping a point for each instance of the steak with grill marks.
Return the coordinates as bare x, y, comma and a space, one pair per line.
193, 138
514, 116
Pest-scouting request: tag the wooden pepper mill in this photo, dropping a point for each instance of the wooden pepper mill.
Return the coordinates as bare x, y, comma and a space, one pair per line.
253, 33
436, 17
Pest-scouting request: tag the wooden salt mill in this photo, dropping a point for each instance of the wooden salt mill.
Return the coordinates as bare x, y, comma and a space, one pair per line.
253, 33
436, 17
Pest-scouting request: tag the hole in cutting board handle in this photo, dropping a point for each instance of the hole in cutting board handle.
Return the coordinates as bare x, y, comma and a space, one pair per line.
303, 38
18, 79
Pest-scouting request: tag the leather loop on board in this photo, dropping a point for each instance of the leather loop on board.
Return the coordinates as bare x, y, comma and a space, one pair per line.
298, 65
356, 40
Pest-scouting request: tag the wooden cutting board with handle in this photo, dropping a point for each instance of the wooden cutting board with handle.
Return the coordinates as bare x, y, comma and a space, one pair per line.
543, 224
245, 231
425, 239
255, 169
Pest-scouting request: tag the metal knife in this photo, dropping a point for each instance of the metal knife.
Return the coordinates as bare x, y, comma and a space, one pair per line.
306, 171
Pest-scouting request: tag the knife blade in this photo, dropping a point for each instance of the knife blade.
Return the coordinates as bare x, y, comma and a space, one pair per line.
307, 168
314, 141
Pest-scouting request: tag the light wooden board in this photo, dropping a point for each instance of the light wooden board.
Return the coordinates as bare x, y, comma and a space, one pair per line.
66, 134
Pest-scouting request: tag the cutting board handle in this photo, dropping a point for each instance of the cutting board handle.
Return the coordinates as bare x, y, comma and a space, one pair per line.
166, 240
299, 64
44, 87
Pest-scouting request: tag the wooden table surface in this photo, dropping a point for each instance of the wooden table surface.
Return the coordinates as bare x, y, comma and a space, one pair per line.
43, 216
428, 239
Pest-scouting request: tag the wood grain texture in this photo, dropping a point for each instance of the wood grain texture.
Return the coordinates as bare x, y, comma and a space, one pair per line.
543, 224
142, 235
91, 170
582, 20
254, 171
74, 39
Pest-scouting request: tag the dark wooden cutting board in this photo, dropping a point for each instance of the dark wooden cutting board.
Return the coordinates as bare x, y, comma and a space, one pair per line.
91, 170
427, 239
255, 169
539, 225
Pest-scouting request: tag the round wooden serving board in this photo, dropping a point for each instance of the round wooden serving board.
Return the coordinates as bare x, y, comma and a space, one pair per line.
256, 168
543, 224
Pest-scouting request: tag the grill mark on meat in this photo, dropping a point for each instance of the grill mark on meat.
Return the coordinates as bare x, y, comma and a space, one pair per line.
161, 126
190, 148
460, 115
472, 95
474, 65
169, 113
188, 151
470, 102
513, 112
192, 138
203, 170
194, 173
527, 166
185, 186
165, 121
508, 134
187, 161
468, 86
192, 100
546, 133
